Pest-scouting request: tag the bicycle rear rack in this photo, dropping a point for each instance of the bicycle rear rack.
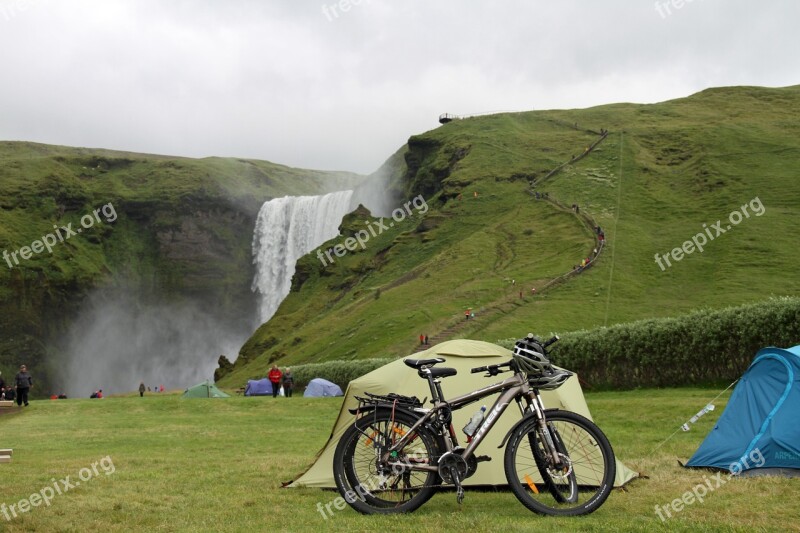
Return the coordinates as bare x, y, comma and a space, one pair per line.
389, 399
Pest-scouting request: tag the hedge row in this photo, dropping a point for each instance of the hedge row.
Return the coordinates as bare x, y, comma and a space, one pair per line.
702, 348
339, 372
707, 347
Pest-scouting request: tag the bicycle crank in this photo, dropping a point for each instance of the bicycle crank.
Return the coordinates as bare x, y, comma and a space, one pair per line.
452, 469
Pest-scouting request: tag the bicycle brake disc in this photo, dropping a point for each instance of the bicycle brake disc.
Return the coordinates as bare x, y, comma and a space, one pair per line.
563, 472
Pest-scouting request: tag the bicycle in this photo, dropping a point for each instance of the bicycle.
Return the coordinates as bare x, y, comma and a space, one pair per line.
397, 452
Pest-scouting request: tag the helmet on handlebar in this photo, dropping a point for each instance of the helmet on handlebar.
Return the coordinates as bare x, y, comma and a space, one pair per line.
530, 357
551, 379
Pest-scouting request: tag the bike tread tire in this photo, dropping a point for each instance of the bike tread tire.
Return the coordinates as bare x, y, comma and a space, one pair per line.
554, 415
342, 464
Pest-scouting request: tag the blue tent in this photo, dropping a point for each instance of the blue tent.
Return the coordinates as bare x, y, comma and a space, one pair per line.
258, 387
319, 387
759, 430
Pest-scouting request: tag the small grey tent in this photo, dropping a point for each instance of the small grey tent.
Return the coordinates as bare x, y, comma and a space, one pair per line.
461, 355
318, 388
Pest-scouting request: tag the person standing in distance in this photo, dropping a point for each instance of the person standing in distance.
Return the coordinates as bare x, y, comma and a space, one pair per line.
288, 382
274, 377
24, 385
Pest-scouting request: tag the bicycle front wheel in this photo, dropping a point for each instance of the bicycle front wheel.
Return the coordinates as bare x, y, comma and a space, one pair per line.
369, 482
576, 483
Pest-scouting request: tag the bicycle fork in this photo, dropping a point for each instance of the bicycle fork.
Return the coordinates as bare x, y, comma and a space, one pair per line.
544, 432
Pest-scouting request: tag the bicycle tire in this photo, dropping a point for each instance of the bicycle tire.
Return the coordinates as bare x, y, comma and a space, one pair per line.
371, 488
563, 492
589, 466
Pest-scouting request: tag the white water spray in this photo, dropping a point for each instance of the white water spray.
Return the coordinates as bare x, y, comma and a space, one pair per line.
286, 229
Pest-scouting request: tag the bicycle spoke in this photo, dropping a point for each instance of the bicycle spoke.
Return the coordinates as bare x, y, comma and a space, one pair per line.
581, 479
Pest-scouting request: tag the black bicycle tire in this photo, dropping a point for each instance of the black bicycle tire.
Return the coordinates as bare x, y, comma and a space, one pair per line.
344, 470
605, 485
542, 467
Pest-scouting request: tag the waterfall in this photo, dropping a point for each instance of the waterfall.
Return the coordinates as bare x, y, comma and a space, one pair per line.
286, 229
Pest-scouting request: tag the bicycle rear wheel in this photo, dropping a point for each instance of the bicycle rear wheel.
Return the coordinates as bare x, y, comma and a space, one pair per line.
578, 483
372, 485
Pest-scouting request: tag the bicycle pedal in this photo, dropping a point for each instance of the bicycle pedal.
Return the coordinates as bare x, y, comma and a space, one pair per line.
459, 495
482, 458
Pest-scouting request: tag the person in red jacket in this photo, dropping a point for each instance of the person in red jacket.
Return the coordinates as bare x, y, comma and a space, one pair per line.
274, 377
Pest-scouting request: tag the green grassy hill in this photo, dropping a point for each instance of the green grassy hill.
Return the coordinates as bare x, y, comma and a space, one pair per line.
182, 232
664, 173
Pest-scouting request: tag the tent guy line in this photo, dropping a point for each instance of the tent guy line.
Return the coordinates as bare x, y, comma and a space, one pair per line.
688, 421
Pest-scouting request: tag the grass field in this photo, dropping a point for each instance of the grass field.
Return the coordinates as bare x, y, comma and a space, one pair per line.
217, 465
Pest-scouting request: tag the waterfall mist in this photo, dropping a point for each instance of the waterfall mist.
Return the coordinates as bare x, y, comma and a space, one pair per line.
125, 335
378, 192
118, 341
286, 229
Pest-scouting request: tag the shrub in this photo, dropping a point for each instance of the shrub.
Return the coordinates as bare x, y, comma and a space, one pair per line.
339, 372
705, 347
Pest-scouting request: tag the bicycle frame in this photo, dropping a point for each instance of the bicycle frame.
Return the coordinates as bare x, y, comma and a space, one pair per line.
515, 387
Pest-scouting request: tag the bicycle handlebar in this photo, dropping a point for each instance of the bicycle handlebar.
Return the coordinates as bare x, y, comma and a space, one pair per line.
493, 370
551, 341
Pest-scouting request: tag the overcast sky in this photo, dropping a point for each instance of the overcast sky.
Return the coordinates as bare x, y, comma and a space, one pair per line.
342, 85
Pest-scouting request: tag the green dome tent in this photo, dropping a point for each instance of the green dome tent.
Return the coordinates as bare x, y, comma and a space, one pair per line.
205, 389
462, 355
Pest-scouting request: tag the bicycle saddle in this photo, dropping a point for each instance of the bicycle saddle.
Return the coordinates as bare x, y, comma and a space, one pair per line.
419, 363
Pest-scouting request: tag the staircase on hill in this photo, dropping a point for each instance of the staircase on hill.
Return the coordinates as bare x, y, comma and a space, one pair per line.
499, 305
442, 336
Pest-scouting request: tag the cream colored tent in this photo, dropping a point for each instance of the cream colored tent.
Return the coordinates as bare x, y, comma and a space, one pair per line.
462, 355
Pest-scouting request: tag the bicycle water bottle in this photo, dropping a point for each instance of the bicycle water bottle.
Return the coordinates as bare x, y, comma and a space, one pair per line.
474, 423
